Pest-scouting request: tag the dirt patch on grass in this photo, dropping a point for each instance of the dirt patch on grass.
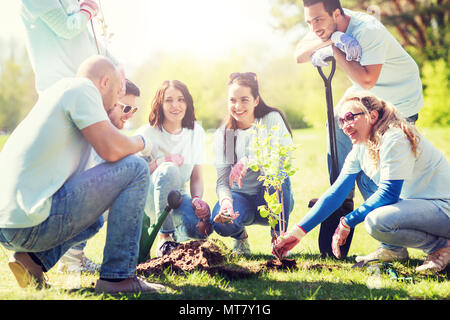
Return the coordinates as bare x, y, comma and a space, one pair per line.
193, 255
285, 264
197, 255
211, 256
291, 265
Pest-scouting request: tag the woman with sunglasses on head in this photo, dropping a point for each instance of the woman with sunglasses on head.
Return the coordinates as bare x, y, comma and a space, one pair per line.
238, 189
177, 157
410, 208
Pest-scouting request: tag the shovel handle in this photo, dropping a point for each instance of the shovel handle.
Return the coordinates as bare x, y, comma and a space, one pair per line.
327, 79
330, 118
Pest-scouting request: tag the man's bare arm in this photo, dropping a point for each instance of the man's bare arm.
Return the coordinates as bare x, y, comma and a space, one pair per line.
109, 143
365, 76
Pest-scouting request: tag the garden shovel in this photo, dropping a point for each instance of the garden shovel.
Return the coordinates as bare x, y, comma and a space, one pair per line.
173, 202
328, 227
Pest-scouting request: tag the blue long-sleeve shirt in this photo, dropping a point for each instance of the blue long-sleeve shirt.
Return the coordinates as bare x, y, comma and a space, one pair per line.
388, 193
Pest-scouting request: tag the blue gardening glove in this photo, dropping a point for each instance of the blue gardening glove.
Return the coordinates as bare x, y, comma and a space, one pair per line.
348, 45
319, 56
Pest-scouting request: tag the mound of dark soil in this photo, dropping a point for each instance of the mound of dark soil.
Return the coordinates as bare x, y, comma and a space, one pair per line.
205, 255
193, 255
318, 267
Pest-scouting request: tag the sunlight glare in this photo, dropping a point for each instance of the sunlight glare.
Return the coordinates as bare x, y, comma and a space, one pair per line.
202, 27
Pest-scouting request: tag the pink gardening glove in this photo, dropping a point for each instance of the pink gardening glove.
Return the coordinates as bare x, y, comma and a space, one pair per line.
201, 208
339, 237
286, 242
238, 172
175, 158
90, 7
226, 213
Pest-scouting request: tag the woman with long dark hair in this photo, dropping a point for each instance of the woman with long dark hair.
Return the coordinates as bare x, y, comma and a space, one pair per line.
239, 191
177, 157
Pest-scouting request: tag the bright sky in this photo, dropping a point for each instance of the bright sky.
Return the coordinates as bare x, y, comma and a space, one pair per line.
209, 28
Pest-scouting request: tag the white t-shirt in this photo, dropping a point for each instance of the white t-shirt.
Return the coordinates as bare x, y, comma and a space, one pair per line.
46, 149
399, 81
425, 177
188, 143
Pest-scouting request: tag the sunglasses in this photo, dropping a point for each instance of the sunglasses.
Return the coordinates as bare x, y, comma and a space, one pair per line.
127, 108
348, 117
245, 75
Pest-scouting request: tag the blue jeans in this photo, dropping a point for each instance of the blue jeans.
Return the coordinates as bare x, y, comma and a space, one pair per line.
76, 215
411, 223
247, 206
182, 221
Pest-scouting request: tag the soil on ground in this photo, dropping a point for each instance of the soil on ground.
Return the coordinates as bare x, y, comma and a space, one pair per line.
201, 255
205, 255
193, 255
278, 265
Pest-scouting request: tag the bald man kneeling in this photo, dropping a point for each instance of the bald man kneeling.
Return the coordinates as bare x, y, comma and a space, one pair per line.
49, 202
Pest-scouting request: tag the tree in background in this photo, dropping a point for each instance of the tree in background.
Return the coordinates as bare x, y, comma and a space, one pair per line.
17, 91
421, 26
436, 80
285, 86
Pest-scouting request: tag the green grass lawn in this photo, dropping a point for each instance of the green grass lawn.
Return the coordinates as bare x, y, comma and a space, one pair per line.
318, 279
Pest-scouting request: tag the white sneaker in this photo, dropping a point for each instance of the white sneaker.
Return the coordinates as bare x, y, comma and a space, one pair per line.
241, 246
382, 254
74, 260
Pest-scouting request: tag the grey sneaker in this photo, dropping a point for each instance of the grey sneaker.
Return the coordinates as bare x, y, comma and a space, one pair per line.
436, 261
241, 246
74, 260
89, 266
382, 254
